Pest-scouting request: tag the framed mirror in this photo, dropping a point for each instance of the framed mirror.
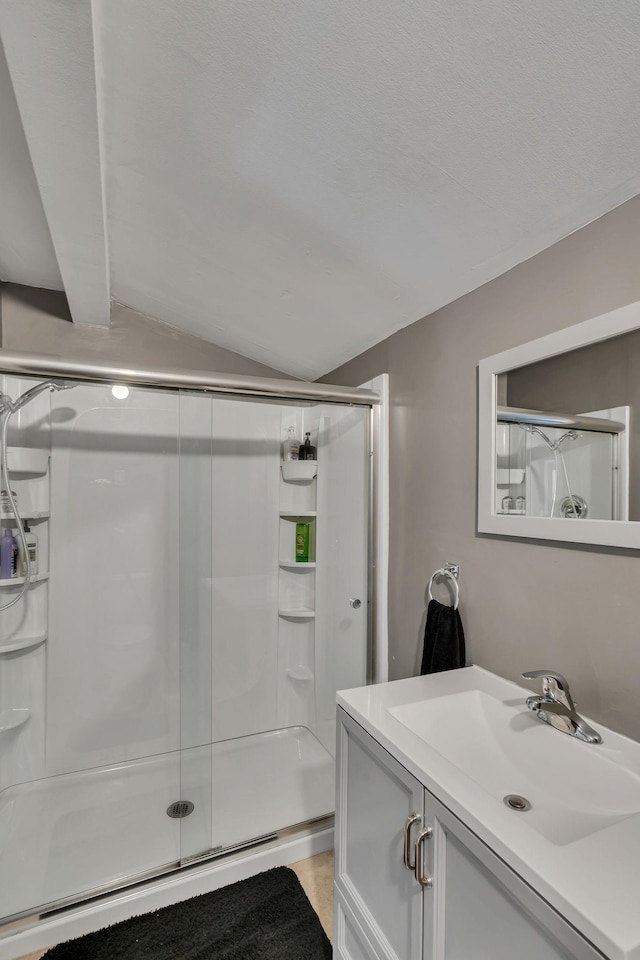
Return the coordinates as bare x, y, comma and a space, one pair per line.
559, 435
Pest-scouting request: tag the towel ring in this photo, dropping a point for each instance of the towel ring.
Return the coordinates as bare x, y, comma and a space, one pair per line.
443, 572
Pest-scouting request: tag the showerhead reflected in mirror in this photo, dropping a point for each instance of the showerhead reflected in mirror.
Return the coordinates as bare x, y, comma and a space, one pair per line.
575, 470
559, 449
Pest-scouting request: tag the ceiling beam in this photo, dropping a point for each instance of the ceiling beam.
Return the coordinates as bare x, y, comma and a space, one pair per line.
50, 51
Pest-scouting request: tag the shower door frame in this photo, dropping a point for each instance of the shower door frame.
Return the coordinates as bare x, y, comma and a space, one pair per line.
212, 384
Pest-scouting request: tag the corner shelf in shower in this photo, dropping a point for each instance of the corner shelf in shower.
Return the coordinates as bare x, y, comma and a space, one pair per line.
300, 673
299, 471
26, 463
12, 719
299, 516
26, 643
299, 566
16, 581
26, 515
301, 613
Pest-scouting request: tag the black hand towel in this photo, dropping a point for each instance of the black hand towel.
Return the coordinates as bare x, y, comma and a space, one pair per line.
443, 639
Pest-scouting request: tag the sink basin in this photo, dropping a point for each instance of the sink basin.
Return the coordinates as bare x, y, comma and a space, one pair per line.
575, 789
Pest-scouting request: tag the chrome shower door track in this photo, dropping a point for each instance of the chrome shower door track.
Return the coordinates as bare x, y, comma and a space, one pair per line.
173, 378
23, 921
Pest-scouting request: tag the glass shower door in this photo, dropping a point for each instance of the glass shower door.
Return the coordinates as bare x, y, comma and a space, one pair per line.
266, 640
89, 656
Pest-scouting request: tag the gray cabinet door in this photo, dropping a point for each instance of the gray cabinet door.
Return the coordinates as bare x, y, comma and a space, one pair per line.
376, 797
485, 911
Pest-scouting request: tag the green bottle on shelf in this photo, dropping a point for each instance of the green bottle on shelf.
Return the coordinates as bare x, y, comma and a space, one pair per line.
302, 542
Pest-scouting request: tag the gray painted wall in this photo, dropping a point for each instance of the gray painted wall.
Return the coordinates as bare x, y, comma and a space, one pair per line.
38, 321
525, 605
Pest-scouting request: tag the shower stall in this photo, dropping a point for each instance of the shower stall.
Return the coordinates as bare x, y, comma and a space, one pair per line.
168, 667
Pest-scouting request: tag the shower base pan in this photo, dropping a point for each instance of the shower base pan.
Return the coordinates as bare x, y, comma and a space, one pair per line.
70, 837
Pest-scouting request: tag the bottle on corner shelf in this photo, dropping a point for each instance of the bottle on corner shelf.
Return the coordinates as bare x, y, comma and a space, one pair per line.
305, 545
291, 446
307, 450
8, 555
5, 504
32, 547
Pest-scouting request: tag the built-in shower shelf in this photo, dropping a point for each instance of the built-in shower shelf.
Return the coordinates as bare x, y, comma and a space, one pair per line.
300, 673
26, 643
16, 581
25, 463
12, 719
299, 517
24, 515
299, 471
300, 613
299, 566
509, 477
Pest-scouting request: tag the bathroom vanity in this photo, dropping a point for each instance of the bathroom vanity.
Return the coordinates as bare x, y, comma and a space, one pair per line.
431, 861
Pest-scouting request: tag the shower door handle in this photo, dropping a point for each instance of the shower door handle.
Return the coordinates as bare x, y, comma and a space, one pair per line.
355, 603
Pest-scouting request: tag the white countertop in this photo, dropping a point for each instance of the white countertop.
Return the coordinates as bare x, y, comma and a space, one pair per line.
593, 881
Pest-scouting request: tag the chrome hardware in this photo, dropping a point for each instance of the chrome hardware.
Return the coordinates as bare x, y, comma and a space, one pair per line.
180, 809
556, 706
355, 603
516, 802
411, 819
42, 365
451, 571
574, 507
423, 878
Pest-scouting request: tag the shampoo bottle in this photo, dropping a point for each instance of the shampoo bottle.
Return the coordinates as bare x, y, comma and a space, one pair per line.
8, 555
5, 503
290, 446
32, 548
302, 542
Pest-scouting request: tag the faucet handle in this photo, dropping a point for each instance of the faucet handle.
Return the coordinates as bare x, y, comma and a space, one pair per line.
535, 674
554, 685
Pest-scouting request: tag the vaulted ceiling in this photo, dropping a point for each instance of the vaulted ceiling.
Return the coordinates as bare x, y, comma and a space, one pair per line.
297, 179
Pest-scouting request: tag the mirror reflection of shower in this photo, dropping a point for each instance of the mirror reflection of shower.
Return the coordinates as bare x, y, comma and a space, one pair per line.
7, 408
554, 446
557, 465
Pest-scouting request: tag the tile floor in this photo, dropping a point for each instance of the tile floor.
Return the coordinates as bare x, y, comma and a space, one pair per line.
316, 877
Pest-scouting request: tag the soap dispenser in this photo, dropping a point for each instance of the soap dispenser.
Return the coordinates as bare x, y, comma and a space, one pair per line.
290, 446
307, 450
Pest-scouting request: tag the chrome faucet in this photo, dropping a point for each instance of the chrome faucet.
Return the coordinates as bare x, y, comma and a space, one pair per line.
557, 708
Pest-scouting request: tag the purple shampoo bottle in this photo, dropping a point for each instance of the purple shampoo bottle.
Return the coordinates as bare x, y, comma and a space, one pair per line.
8, 555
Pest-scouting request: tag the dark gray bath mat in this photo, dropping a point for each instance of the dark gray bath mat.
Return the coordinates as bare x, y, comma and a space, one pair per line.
266, 917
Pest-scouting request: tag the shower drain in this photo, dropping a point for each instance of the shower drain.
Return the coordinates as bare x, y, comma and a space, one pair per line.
179, 809
516, 802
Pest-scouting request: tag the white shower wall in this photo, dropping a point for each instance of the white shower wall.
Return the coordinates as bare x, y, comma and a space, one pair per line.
119, 558
113, 651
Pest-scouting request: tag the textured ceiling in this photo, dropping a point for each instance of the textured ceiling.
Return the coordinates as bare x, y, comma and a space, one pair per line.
296, 180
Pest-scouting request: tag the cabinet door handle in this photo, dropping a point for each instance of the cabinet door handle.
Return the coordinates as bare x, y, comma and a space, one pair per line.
420, 867
411, 819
